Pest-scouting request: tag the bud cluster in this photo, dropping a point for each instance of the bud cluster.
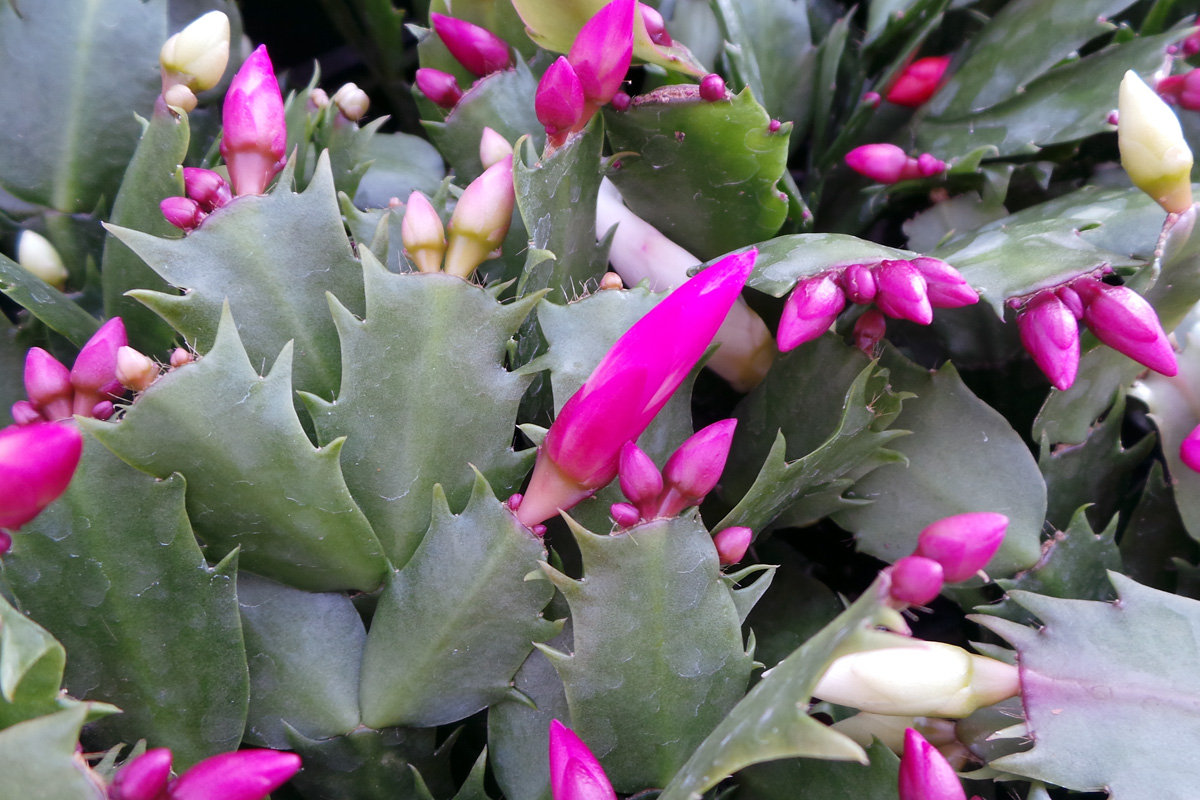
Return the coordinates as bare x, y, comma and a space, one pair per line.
194, 59
951, 550
240, 775
887, 163
205, 190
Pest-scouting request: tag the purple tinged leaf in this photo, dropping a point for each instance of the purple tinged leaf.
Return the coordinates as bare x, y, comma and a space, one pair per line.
809, 311
1050, 334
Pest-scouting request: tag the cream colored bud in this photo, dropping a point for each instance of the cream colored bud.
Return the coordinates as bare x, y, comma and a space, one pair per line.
927, 679
610, 281
317, 99
134, 370
481, 219
37, 255
197, 56
422, 233
351, 101
1153, 150
180, 96
493, 148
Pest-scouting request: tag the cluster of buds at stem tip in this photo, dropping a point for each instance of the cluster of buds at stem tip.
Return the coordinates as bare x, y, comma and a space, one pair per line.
1153, 150
36, 465
206, 192
925, 774
689, 475
480, 220
899, 289
887, 163
951, 550
194, 59
240, 775
480, 51
590, 75
87, 389
1118, 316
575, 774
1189, 450
635, 379
254, 138
37, 256
918, 81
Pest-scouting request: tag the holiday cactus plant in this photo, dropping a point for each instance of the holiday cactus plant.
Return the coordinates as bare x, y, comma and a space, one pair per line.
508, 414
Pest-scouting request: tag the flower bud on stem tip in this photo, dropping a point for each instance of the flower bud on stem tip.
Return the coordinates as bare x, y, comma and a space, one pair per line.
422, 233
37, 256
1153, 149
964, 543
925, 774
255, 134
732, 544
481, 219
440, 87
479, 50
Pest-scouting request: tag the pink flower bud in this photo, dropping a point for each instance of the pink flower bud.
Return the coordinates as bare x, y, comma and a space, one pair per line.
180, 356
142, 778
1182, 89
656, 27
918, 81
1191, 45
603, 51
5, 543
559, 101
929, 165
254, 139
478, 49
1071, 300
916, 580
422, 233
182, 212
575, 774
902, 293
240, 775
102, 410
207, 188
858, 282
869, 330
621, 101
1123, 320
1189, 448
925, 774
625, 515
964, 543
26, 413
440, 87
885, 163
481, 219
36, 465
809, 311
1050, 334
872, 99
493, 148
732, 544
712, 87
693, 470
944, 284
640, 479
134, 370
48, 384
96, 365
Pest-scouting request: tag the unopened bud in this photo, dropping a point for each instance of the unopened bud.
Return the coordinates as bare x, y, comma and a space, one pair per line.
207, 188
603, 51
809, 311
1153, 149
36, 255
142, 778
625, 515
180, 356
640, 479
196, 57
1050, 334
478, 49
858, 282
925, 774
916, 580
945, 286
918, 81
929, 165
693, 470
1189, 449
440, 87
732, 544
134, 370
493, 148
26, 413
964, 543
712, 87
1126, 322
254, 138
102, 410
317, 99
559, 101
36, 465
883, 162
656, 27
182, 212
481, 219
48, 384
351, 101
869, 330
422, 233
610, 281
95, 367
901, 292
180, 96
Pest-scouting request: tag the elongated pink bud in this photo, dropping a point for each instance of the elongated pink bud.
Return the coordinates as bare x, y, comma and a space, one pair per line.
1189, 449
1050, 334
964, 543
859, 283
625, 515
254, 139
478, 49
440, 87
143, 778
481, 219
95, 367
559, 101
925, 774
918, 81
48, 384
916, 580
693, 470
809, 311
945, 285
182, 212
641, 481
240, 775
901, 292
656, 27
207, 188
134, 370
629, 386
1123, 320
885, 163
603, 51
1071, 300
575, 774
36, 465
869, 330
732, 544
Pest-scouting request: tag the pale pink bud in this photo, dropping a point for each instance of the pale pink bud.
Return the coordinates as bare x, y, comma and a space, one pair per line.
36, 465
254, 139
206, 187
422, 233
925, 774
625, 515
440, 87
478, 49
559, 100
964, 543
901, 292
1050, 334
869, 330
882, 162
240, 775
603, 51
48, 384
493, 148
809, 311
694, 469
712, 87
656, 27
732, 544
918, 81
26, 413
858, 282
575, 774
96, 365
640, 479
1189, 448
182, 212
180, 356
944, 284
142, 778
1123, 320
1191, 45
134, 370
481, 219
916, 580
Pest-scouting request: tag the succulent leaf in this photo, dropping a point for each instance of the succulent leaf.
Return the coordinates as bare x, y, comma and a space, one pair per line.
40, 754
59, 312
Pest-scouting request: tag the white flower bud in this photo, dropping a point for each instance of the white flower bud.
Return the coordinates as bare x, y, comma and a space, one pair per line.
196, 57
38, 256
351, 101
493, 148
1153, 150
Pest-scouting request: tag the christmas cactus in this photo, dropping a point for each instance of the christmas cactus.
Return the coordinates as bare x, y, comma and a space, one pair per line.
565, 400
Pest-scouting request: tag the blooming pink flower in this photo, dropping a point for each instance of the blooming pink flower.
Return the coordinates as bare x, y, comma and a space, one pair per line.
809, 311
254, 139
925, 774
478, 49
575, 774
964, 543
1123, 320
36, 465
918, 81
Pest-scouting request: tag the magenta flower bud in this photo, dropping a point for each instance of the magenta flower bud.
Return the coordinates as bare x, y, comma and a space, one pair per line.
656, 27
712, 87
732, 544
207, 188
809, 311
964, 543
869, 330
916, 580
142, 778
858, 283
440, 87
885, 163
693, 470
621, 101
96, 365
48, 384
625, 515
901, 292
1050, 334
641, 481
26, 413
1189, 448
630, 385
5, 543
603, 51
1071, 300
240, 775
182, 212
1191, 45
254, 140
478, 49
918, 81
928, 165
1123, 320
36, 465
925, 774
944, 284
559, 101
102, 410
575, 774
